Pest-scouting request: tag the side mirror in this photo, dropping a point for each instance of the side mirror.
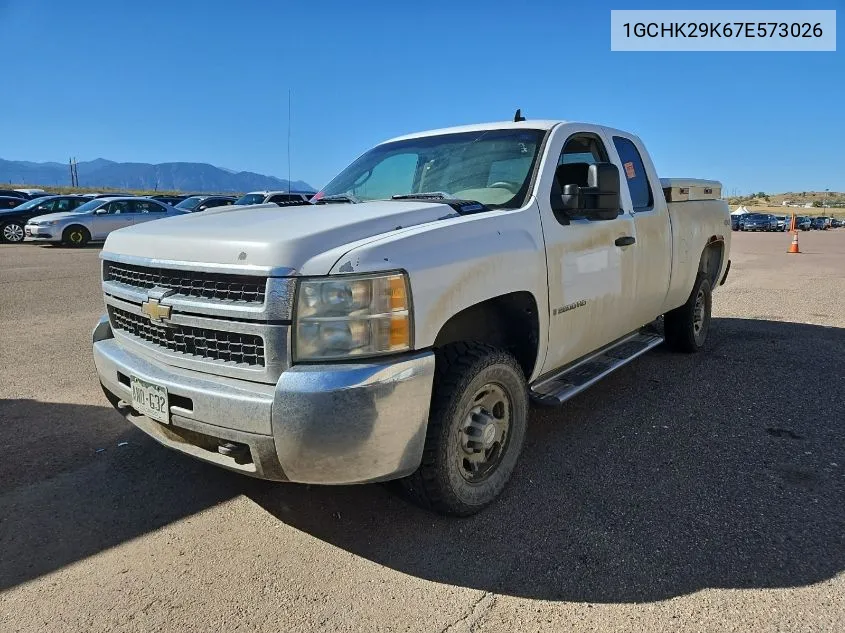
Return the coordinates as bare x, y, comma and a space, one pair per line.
202, 207
101, 211
601, 196
571, 199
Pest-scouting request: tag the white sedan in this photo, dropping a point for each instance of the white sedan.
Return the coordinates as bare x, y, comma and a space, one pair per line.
94, 220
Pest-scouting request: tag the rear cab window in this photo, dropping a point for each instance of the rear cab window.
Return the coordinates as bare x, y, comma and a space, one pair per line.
634, 173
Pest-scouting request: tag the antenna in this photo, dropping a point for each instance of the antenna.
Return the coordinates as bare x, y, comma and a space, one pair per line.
288, 140
518, 116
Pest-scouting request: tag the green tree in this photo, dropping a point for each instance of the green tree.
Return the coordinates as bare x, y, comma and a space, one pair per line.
817, 204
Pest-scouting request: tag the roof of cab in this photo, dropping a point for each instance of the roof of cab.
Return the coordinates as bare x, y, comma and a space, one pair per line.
540, 124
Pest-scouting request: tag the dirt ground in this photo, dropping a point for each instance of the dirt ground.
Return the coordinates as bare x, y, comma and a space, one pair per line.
683, 493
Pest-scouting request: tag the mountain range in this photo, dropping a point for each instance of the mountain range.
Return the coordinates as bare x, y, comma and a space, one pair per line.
189, 177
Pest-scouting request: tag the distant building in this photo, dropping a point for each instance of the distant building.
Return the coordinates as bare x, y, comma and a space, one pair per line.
786, 203
809, 205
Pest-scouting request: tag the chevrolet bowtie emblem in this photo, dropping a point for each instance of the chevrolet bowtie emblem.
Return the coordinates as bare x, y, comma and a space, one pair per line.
153, 309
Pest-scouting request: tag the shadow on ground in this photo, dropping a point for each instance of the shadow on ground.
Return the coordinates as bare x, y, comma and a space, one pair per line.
723, 469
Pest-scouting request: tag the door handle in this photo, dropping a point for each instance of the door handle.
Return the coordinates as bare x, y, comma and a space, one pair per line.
625, 241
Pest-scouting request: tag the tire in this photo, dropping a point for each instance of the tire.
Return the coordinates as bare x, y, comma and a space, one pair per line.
464, 466
76, 236
13, 232
686, 327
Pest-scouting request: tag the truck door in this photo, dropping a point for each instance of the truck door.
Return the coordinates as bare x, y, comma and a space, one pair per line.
591, 266
653, 248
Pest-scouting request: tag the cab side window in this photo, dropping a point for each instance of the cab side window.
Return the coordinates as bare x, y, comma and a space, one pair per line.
633, 171
63, 204
579, 152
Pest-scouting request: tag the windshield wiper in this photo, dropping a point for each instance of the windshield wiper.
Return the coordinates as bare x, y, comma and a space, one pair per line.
424, 195
338, 197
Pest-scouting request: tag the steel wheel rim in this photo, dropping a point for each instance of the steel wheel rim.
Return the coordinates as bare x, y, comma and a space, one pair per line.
13, 232
484, 433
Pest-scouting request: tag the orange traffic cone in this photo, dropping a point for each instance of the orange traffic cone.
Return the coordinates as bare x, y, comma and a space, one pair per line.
793, 248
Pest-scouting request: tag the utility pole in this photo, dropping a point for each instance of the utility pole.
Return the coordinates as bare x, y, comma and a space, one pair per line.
74, 172
288, 140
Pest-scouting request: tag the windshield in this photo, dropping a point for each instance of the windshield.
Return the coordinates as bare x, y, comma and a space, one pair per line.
251, 198
189, 204
492, 167
30, 204
89, 206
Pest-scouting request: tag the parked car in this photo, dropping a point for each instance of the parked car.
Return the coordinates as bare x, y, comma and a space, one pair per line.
820, 223
803, 222
172, 200
331, 347
835, 223
201, 203
13, 193
736, 221
94, 196
263, 197
784, 222
33, 193
759, 222
13, 221
95, 219
7, 202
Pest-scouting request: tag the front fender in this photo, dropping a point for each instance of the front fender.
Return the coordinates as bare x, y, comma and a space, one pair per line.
461, 262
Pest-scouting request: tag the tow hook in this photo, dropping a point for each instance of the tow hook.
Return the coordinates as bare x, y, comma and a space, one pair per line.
239, 452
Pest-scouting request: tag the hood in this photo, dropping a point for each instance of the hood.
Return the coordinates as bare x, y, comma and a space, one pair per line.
65, 215
269, 235
13, 210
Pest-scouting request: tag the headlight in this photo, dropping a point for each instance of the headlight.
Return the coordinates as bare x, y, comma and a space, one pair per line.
352, 315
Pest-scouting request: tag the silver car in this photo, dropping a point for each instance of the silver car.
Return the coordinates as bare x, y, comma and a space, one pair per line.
94, 220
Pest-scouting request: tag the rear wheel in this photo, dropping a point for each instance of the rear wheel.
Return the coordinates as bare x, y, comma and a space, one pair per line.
13, 232
76, 236
686, 327
475, 431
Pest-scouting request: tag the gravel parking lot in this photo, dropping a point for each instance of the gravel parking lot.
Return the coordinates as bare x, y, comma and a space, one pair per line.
684, 493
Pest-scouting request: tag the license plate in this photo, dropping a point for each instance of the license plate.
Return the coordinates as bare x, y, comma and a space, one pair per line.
28, 232
150, 400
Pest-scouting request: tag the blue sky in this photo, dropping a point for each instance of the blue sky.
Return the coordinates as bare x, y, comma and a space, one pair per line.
159, 81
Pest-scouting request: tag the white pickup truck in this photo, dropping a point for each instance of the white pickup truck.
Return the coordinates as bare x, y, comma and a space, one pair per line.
399, 324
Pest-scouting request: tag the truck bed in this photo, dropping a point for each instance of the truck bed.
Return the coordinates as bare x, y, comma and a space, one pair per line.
696, 212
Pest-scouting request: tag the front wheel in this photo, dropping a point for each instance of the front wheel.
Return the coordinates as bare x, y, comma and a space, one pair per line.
13, 232
476, 428
76, 236
686, 327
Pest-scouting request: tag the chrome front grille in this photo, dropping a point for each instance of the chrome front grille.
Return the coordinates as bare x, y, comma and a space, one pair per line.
230, 288
204, 343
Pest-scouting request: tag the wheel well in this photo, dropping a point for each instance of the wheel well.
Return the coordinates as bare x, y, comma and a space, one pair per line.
711, 259
508, 322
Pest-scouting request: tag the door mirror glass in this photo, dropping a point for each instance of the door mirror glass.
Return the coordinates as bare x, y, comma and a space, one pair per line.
600, 199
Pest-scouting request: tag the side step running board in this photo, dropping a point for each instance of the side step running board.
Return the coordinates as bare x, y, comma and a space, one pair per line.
572, 380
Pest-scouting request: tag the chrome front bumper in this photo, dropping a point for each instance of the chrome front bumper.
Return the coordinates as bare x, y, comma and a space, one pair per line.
321, 424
